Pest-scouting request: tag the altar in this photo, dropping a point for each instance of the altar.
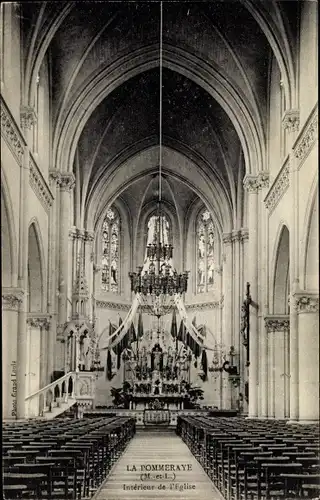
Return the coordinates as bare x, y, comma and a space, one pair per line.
157, 372
152, 402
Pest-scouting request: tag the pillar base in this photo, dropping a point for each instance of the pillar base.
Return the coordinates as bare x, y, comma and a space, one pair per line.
303, 422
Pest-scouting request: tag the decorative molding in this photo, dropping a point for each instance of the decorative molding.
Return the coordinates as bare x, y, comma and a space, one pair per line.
277, 323
112, 305
126, 307
252, 183
307, 137
11, 133
12, 298
291, 120
227, 238
67, 181
28, 117
39, 185
306, 302
279, 187
202, 306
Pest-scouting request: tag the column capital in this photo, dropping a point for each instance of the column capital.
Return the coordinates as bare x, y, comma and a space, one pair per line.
305, 302
235, 235
227, 238
55, 176
39, 320
67, 181
244, 234
277, 323
77, 234
252, 183
28, 117
12, 298
88, 236
218, 269
291, 120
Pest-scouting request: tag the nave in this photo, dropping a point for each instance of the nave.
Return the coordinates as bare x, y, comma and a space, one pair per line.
106, 458
173, 471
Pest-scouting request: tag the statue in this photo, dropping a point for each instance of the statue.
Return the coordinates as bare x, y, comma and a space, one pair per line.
244, 323
156, 358
85, 353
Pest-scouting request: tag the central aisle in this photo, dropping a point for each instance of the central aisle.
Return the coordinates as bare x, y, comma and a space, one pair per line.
160, 455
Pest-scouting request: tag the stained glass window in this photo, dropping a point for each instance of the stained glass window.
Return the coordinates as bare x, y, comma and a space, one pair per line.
158, 226
110, 252
205, 252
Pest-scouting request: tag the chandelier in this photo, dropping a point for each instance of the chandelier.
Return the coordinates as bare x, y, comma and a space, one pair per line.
157, 282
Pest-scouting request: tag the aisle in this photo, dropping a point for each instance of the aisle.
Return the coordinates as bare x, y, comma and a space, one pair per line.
157, 465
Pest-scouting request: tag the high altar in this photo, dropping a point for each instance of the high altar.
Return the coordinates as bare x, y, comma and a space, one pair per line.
157, 368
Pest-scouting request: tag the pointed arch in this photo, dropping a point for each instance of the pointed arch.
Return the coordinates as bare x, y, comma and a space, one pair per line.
281, 276
309, 256
36, 268
8, 236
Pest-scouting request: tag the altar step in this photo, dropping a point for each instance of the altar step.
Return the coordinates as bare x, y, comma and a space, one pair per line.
153, 447
163, 429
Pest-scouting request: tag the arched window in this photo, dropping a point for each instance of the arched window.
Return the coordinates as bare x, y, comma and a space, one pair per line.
205, 252
158, 226
111, 252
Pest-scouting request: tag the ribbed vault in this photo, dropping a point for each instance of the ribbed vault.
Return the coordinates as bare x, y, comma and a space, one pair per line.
105, 95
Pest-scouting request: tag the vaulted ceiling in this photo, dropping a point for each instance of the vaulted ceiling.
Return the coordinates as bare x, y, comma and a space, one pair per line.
104, 65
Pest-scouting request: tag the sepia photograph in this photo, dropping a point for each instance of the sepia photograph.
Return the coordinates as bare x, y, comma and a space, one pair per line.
160, 250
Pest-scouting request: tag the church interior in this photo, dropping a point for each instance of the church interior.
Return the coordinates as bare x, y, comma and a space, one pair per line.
159, 209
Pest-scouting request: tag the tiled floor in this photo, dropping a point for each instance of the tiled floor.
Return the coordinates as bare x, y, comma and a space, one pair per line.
161, 456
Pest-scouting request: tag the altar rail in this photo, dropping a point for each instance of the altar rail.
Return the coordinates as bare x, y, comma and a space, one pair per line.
139, 415
156, 417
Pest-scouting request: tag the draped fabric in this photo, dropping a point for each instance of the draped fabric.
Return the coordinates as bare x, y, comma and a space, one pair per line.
174, 325
204, 364
140, 326
191, 329
109, 366
123, 328
120, 334
132, 337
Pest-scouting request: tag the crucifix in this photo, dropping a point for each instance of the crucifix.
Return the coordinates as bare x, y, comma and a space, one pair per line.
245, 321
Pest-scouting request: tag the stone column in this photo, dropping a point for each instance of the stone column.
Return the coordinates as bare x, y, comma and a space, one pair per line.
227, 312
251, 184
89, 259
66, 185
53, 265
290, 123
269, 325
237, 289
11, 301
263, 291
23, 285
276, 330
308, 351
294, 360
243, 369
